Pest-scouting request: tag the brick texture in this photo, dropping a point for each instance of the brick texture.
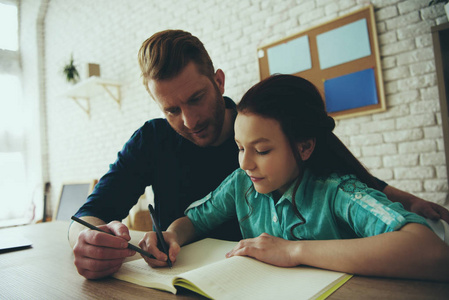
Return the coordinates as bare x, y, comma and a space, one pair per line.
398, 145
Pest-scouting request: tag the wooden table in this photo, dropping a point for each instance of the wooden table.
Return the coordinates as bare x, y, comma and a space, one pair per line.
46, 271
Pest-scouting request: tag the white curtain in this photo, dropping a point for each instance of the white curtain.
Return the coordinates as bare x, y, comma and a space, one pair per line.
14, 203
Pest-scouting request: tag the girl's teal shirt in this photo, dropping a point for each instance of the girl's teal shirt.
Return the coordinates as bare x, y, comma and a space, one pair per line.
334, 207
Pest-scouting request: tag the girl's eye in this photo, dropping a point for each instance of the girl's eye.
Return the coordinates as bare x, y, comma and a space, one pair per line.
263, 152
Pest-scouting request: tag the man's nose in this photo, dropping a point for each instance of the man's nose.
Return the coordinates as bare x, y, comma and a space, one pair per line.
190, 118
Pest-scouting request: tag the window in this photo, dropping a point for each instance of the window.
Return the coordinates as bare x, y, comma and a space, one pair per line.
14, 203
8, 23
12, 181
10, 123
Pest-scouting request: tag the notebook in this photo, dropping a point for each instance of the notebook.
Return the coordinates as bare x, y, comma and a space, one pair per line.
202, 268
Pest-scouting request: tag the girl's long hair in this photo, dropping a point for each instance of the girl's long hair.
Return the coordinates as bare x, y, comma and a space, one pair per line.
299, 108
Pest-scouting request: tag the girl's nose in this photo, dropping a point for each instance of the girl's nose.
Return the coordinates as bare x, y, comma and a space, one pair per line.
246, 162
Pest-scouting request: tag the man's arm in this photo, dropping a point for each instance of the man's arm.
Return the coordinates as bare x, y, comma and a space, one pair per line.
417, 205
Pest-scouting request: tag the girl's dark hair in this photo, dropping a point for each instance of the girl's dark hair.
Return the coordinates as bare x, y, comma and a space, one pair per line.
299, 108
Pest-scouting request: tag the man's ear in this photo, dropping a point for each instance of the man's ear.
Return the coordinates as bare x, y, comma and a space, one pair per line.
306, 148
220, 80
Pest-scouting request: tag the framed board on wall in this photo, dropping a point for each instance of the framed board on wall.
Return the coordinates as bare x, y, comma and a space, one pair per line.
73, 196
340, 57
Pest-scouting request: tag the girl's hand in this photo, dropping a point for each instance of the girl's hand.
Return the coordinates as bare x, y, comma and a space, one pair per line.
149, 244
269, 249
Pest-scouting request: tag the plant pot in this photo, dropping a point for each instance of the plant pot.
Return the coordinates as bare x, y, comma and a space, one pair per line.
446, 8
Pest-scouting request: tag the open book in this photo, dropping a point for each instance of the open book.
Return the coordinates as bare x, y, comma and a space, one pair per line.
202, 267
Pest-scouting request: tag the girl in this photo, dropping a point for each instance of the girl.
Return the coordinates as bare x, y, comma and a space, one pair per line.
301, 197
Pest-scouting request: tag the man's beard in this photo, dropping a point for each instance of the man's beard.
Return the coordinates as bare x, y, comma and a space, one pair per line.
215, 122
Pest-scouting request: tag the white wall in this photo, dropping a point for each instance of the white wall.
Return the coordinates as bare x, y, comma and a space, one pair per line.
403, 145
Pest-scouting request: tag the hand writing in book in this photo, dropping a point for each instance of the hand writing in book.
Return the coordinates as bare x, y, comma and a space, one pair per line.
269, 249
98, 254
149, 243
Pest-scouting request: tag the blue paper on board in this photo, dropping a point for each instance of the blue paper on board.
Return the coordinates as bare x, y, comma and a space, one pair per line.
291, 57
343, 44
350, 91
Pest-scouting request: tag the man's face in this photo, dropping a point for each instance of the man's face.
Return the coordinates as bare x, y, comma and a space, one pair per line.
193, 104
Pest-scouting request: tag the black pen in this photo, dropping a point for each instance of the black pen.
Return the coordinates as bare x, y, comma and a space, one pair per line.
160, 237
130, 246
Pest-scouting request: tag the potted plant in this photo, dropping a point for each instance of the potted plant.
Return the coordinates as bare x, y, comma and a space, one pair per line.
70, 72
446, 5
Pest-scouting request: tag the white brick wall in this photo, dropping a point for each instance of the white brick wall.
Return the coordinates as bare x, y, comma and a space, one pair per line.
402, 145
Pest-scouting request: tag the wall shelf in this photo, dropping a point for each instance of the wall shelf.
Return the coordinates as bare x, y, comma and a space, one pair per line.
93, 86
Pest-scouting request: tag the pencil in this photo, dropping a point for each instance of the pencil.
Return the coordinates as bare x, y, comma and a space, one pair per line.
160, 237
130, 246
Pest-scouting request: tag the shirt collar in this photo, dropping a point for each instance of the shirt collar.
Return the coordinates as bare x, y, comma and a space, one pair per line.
229, 103
287, 196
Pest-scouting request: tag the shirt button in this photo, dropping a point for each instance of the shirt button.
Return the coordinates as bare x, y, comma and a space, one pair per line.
358, 196
275, 219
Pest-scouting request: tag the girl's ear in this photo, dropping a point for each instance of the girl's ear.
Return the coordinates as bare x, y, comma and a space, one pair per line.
306, 148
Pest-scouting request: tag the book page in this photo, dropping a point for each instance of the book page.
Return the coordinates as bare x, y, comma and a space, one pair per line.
190, 257
246, 278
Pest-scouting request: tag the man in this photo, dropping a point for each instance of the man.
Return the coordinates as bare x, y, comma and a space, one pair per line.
183, 157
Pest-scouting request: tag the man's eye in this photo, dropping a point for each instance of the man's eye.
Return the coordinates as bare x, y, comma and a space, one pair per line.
197, 99
172, 111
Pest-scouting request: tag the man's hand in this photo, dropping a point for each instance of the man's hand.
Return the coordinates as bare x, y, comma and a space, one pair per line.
98, 254
417, 205
429, 210
149, 243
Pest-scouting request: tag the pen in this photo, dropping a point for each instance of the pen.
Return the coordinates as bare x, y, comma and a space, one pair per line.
160, 237
130, 246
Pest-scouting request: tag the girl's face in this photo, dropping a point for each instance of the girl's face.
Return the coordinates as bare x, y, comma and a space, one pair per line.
265, 153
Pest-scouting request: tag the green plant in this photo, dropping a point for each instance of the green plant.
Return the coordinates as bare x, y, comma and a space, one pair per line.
70, 71
434, 2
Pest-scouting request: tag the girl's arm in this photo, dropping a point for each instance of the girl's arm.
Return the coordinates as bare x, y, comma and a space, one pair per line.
412, 252
183, 230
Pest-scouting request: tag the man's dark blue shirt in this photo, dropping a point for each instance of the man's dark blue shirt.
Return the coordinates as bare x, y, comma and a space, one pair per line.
179, 172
